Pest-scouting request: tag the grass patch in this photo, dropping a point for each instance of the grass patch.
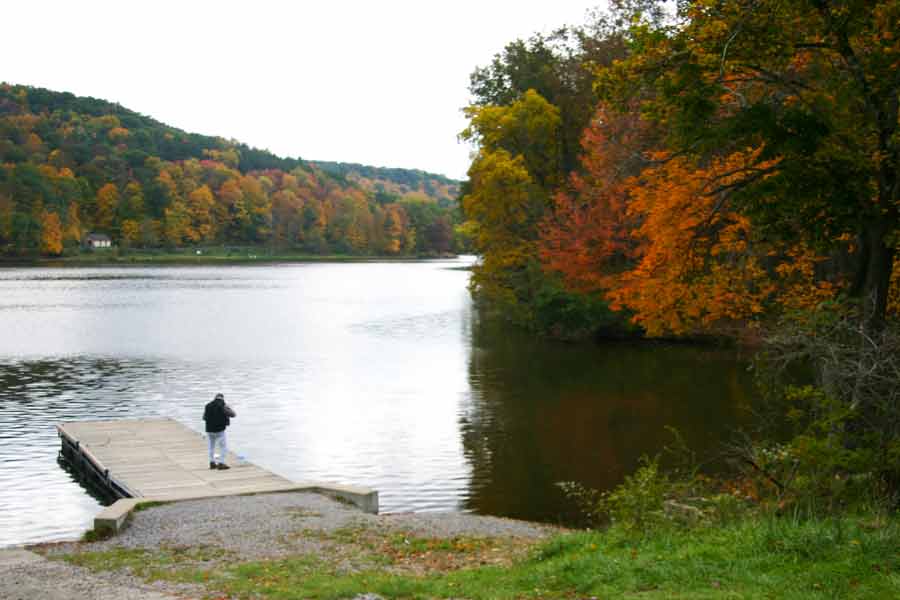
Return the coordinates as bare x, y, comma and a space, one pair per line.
186, 564
149, 504
763, 557
98, 534
419, 555
363, 546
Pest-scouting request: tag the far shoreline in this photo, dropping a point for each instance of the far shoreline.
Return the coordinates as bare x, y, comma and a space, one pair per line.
208, 259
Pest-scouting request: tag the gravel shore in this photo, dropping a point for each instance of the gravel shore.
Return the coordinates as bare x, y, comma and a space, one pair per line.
25, 575
240, 529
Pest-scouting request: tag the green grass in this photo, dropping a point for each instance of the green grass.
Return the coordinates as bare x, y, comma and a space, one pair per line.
185, 564
141, 506
765, 557
98, 534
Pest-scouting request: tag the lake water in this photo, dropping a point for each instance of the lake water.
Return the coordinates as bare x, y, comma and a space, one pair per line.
373, 374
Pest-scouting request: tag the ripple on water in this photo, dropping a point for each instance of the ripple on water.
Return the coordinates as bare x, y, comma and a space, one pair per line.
379, 375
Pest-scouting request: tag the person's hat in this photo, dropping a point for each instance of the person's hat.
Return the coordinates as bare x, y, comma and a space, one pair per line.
220, 397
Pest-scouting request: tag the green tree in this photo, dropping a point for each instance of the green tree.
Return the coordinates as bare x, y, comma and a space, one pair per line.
132, 205
560, 68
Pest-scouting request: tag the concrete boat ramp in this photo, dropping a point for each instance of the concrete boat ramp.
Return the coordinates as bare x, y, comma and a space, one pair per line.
147, 460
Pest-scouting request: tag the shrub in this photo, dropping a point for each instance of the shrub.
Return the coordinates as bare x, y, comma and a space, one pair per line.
843, 443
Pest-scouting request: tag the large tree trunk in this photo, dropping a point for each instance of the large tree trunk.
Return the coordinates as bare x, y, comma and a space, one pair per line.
874, 278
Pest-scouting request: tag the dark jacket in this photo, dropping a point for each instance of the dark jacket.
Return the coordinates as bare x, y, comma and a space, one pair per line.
217, 415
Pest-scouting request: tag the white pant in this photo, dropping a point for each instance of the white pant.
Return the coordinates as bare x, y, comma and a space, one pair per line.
217, 437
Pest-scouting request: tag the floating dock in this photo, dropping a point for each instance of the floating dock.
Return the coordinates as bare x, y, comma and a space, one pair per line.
161, 460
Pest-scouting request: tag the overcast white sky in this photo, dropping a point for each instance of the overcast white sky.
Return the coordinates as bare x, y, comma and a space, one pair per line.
377, 82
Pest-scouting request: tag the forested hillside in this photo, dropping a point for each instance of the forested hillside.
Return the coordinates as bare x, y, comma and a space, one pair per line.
71, 165
392, 185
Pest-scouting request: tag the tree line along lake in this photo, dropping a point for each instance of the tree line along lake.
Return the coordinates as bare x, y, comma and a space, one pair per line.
377, 374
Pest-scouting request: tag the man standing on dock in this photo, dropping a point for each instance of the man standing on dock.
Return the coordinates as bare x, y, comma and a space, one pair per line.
218, 416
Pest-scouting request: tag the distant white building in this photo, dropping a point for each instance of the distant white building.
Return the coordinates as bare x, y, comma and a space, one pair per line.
97, 240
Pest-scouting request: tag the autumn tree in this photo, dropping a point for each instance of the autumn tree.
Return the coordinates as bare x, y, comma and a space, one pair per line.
700, 266
506, 205
51, 234
510, 181
73, 230
237, 218
532, 102
107, 205
658, 235
814, 85
200, 204
132, 204
588, 236
130, 233
287, 222
118, 134
558, 66
527, 128
177, 223
258, 206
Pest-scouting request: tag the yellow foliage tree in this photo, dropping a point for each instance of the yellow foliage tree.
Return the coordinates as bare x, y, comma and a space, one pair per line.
131, 232
118, 134
528, 128
505, 202
511, 181
177, 223
51, 234
200, 205
107, 205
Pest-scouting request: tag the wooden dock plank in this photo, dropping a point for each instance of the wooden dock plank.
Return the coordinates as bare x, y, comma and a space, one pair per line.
154, 457
162, 460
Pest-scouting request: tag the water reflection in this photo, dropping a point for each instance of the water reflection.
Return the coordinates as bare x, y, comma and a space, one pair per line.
541, 413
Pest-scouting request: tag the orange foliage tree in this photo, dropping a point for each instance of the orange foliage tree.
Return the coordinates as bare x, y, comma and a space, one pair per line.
51, 234
814, 85
658, 236
587, 237
701, 265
